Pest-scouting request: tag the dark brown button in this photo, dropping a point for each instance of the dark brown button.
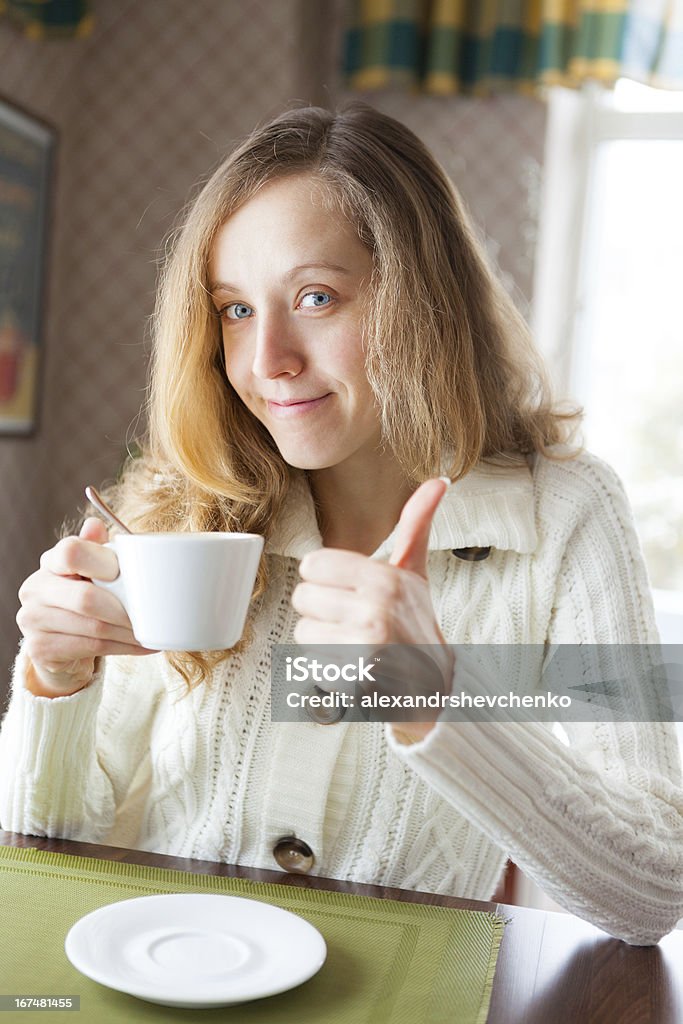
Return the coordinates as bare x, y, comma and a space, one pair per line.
324, 716
293, 855
472, 554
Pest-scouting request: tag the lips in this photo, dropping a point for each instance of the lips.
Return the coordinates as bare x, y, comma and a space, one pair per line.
289, 407
294, 401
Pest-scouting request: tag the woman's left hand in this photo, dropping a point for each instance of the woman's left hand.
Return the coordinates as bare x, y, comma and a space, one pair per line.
348, 598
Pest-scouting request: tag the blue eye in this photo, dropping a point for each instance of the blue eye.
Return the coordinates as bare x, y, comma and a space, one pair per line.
317, 299
236, 311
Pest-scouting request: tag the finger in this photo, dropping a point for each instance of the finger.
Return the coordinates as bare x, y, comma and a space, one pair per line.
56, 648
311, 632
74, 556
334, 567
58, 620
93, 529
81, 597
328, 604
412, 538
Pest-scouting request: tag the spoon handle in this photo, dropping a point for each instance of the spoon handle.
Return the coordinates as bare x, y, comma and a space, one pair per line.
94, 499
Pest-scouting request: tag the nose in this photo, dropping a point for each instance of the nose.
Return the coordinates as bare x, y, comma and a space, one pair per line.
277, 349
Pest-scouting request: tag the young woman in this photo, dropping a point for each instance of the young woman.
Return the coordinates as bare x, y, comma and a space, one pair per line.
328, 342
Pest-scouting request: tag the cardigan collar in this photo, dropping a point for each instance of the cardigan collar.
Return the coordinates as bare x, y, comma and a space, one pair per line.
490, 506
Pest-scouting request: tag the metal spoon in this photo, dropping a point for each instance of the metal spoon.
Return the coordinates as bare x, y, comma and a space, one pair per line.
94, 499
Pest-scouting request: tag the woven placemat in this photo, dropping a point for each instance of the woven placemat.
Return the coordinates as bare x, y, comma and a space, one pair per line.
388, 962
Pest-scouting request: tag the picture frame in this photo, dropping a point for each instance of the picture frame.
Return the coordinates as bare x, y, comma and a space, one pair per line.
27, 148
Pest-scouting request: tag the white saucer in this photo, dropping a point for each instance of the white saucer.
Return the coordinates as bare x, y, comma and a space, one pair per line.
195, 950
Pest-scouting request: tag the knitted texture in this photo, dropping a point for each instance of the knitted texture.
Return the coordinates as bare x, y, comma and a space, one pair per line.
597, 822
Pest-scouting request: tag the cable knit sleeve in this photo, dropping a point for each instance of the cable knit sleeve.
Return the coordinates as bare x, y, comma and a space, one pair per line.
62, 773
597, 823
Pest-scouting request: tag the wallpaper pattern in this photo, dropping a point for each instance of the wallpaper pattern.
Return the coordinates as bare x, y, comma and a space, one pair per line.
144, 108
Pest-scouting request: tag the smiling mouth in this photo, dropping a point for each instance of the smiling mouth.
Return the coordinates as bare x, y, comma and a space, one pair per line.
294, 407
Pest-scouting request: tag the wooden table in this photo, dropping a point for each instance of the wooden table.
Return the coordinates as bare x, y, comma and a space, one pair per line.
552, 969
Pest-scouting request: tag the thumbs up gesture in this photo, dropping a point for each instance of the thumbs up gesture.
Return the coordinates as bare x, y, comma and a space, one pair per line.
348, 598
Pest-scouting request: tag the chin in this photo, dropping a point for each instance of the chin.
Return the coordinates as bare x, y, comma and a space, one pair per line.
311, 464
310, 460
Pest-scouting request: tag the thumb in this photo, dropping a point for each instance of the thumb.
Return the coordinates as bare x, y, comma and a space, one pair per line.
412, 538
94, 529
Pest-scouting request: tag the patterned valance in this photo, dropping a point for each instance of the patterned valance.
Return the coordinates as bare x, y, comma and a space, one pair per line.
49, 19
483, 46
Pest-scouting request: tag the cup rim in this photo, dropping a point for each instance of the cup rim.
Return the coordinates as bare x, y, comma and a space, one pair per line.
194, 535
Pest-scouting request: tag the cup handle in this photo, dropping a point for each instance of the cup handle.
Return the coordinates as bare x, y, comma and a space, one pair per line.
115, 586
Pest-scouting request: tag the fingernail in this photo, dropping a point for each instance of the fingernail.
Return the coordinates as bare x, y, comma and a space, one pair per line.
446, 480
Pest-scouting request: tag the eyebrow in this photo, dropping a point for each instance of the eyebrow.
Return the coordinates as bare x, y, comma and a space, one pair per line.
224, 286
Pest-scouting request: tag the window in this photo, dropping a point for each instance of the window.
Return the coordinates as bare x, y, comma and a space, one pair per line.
608, 309
609, 301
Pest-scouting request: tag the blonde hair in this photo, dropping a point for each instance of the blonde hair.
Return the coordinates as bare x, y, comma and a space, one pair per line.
449, 358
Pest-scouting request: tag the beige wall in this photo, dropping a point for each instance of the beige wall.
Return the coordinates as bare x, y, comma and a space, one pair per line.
144, 108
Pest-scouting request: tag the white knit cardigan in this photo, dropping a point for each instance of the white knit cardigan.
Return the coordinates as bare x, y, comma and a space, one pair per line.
597, 822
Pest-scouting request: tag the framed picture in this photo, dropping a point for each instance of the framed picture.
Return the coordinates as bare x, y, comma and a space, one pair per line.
26, 158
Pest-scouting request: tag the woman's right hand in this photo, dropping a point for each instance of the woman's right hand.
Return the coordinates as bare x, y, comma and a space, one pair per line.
67, 621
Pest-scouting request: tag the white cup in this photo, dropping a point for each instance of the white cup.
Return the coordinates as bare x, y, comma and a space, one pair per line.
186, 591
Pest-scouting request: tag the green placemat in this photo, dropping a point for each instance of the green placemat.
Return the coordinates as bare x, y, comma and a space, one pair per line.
387, 962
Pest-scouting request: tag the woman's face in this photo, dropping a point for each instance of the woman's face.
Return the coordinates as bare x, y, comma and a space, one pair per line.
289, 275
